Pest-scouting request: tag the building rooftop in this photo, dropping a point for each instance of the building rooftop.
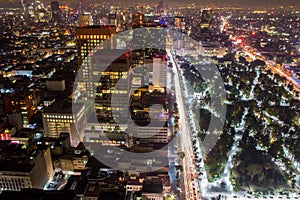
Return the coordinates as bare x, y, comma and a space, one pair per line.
11, 166
92, 190
63, 107
76, 184
36, 194
150, 186
24, 133
13, 157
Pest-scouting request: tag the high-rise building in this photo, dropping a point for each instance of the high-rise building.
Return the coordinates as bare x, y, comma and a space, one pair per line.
62, 117
159, 72
23, 102
103, 90
206, 18
85, 20
112, 18
114, 87
55, 11
87, 39
160, 5
137, 20
177, 22
141, 69
206, 24
30, 10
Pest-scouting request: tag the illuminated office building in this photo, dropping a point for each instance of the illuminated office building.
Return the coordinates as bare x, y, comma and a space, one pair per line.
159, 72
141, 69
102, 90
114, 87
23, 102
87, 38
177, 22
137, 20
62, 117
112, 18
206, 24
206, 18
85, 20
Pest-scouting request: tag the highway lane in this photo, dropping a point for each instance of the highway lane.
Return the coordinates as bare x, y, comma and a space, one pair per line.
272, 67
191, 184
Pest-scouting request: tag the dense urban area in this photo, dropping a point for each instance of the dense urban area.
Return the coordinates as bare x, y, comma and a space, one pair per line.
161, 101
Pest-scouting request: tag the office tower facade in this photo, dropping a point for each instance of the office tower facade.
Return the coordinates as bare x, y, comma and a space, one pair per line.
114, 87
85, 20
206, 24
137, 20
87, 39
98, 83
177, 22
62, 117
141, 69
206, 18
55, 11
30, 9
23, 102
112, 19
159, 72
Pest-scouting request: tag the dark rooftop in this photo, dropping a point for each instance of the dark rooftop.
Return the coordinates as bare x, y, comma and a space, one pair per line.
63, 107
152, 186
36, 194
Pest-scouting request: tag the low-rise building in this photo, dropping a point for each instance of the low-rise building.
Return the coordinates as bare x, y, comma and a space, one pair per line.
75, 160
136, 183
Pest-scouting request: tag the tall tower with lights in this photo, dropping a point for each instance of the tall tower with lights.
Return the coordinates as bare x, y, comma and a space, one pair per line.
55, 12
102, 90
87, 39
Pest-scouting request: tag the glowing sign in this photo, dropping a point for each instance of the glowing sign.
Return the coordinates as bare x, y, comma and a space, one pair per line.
240, 40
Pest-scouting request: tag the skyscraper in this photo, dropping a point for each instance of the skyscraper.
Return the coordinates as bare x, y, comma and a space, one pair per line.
113, 88
55, 12
206, 23
112, 18
160, 5
87, 39
137, 20
85, 19
23, 102
159, 72
30, 9
101, 84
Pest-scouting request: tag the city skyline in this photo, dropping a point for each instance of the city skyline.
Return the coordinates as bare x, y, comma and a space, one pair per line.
137, 101
218, 3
